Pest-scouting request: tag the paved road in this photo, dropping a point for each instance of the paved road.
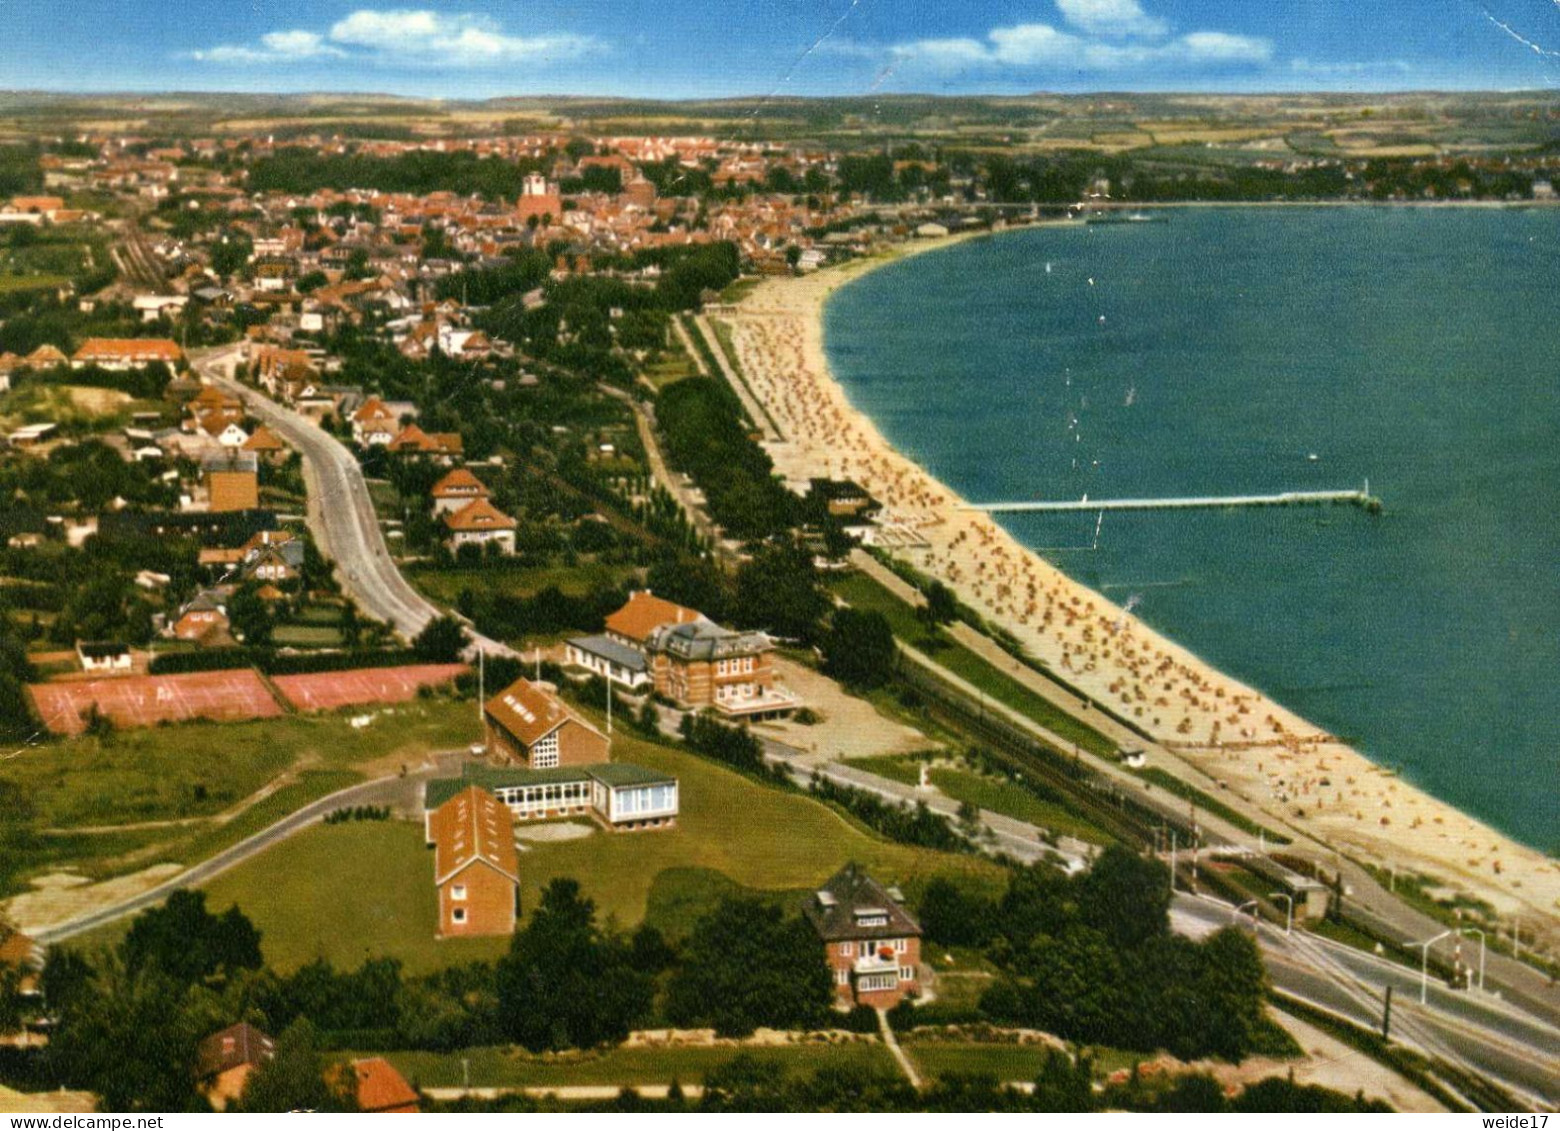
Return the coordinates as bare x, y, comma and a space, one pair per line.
1367, 900
341, 513
403, 792
1482, 1033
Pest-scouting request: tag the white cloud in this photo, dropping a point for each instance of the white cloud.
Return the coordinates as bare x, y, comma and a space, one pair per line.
297, 44
432, 38
1223, 47
1111, 17
1041, 46
407, 37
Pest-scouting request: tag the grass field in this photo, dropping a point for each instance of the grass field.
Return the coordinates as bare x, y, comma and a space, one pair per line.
862, 592
575, 581
306, 636
1009, 1063
10, 283
988, 792
504, 1067
345, 892
756, 836
197, 769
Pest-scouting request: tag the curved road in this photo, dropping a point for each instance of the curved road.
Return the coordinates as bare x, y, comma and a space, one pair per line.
341, 512
396, 791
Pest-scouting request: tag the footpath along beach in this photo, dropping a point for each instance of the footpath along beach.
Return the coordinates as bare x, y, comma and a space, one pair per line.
1297, 774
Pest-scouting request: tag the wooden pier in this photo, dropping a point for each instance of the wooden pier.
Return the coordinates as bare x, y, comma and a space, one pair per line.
1357, 498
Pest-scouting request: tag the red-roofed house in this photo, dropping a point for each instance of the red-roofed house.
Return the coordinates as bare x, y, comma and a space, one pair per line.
374, 423
126, 353
644, 613
455, 490
379, 1088
530, 725
479, 523
227, 1058
475, 866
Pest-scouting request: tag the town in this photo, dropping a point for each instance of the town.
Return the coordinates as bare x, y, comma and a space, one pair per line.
435, 675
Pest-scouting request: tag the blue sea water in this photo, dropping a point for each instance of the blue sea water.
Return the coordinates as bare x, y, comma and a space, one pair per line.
1217, 353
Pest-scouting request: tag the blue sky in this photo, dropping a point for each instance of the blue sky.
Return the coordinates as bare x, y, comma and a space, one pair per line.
704, 48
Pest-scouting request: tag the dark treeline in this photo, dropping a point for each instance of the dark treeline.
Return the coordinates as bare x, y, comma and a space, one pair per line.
302, 170
708, 437
1091, 958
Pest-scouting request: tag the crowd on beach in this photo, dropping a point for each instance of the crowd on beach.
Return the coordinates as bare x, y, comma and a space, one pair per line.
1234, 734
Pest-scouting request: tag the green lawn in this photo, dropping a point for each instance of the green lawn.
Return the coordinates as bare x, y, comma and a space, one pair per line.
502, 1066
987, 792
862, 592
347, 891
1007, 797
10, 283
306, 636
1009, 1063
196, 769
445, 585
756, 836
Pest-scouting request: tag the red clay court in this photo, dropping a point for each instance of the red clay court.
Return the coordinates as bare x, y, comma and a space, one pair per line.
139, 701
326, 691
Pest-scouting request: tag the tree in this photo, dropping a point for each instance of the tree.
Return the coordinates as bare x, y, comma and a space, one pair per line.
295, 1079
129, 1038
188, 943
1126, 896
440, 642
858, 649
1065, 1084
249, 616
747, 965
953, 917
778, 590
941, 606
566, 985
230, 253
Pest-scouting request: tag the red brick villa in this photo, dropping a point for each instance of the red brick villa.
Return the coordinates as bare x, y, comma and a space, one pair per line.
871, 943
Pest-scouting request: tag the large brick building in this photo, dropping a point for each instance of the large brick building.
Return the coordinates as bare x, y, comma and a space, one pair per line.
871, 943
475, 866
689, 658
528, 725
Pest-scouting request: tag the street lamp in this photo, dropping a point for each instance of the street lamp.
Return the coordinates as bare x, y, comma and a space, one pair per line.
1424, 963
1477, 931
1235, 915
1289, 904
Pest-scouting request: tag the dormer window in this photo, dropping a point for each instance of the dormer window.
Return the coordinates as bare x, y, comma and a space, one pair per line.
871, 919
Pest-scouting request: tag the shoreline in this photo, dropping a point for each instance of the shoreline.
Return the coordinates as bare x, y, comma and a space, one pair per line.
1210, 726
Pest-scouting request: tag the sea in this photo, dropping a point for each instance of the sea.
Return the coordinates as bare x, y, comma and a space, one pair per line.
1261, 350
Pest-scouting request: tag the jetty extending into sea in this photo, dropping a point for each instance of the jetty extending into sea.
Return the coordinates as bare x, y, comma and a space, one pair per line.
1361, 498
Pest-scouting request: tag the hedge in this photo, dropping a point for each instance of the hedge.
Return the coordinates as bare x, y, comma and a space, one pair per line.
280, 663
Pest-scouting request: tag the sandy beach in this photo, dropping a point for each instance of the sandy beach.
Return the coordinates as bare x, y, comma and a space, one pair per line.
1298, 775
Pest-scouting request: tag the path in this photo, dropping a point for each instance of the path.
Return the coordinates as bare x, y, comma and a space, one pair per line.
756, 412
892, 1042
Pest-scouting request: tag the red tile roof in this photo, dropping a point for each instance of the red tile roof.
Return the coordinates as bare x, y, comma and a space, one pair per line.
380, 1088
645, 612
129, 349
470, 828
479, 514
460, 482
529, 712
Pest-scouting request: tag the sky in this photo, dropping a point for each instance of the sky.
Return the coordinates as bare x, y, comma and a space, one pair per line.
712, 48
